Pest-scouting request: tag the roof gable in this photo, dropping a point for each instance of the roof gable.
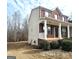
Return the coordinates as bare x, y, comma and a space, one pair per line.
58, 10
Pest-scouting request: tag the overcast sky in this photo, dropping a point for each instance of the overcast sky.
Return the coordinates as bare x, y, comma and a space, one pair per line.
25, 6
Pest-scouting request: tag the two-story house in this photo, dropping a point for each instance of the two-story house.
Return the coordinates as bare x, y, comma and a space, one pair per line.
48, 24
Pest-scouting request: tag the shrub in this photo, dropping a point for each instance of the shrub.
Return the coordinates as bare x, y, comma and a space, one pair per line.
46, 45
43, 44
71, 38
40, 43
68, 38
60, 42
67, 45
40, 46
55, 45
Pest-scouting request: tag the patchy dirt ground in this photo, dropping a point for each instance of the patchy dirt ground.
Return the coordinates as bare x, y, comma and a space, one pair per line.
26, 52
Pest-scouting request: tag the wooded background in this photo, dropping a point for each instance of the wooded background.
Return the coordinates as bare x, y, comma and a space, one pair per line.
17, 28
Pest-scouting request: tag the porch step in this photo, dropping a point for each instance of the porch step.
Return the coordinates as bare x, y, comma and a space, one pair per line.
53, 39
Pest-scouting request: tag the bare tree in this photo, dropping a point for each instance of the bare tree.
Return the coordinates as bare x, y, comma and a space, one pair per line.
9, 29
25, 29
16, 30
16, 21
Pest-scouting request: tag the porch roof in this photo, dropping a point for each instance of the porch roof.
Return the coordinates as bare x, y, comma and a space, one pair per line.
53, 21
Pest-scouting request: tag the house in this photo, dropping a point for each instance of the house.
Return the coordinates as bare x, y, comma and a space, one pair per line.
48, 24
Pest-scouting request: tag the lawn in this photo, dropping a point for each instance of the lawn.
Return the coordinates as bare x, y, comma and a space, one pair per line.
23, 51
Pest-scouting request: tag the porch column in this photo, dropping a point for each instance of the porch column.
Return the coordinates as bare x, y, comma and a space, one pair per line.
54, 32
60, 31
68, 31
45, 29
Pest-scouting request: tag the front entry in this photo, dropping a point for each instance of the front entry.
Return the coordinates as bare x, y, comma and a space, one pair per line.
52, 31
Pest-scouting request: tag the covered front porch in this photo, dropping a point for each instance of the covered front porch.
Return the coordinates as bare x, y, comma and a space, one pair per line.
54, 29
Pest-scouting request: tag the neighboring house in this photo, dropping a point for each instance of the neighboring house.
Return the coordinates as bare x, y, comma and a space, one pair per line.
48, 24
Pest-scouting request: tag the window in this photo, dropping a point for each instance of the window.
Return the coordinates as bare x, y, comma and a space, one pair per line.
46, 14
63, 29
64, 32
49, 30
41, 25
42, 13
55, 16
63, 18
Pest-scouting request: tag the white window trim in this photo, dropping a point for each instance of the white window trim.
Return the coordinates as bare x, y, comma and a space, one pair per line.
46, 14
55, 17
63, 18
